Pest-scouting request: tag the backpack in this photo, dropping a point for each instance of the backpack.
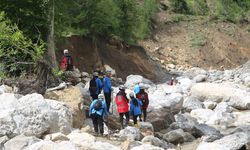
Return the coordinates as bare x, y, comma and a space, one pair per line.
92, 86
98, 105
69, 65
143, 99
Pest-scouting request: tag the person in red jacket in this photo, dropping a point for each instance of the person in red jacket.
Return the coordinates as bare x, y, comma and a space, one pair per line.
122, 105
143, 97
66, 62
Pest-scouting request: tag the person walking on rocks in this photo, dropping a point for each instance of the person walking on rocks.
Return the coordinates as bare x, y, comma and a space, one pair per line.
107, 88
95, 86
66, 61
97, 112
135, 107
143, 97
122, 105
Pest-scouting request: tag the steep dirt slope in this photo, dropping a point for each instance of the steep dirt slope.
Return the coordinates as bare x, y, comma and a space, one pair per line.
124, 59
198, 41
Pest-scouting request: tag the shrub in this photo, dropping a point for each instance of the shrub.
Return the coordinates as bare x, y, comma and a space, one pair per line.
18, 54
179, 6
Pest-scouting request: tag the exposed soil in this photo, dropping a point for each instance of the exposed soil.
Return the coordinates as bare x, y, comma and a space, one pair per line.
200, 41
124, 59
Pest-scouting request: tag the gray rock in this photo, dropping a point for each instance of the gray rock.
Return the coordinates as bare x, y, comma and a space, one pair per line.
223, 107
20, 142
131, 133
209, 132
210, 105
146, 147
56, 137
178, 136
230, 142
200, 78
191, 103
191, 73
156, 142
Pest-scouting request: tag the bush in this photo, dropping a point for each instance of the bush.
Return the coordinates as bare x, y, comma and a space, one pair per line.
198, 7
179, 6
17, 53
232, 10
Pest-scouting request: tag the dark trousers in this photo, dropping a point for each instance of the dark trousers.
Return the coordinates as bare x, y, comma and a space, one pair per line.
135, 118
94, 96
98, 123
121, 118
108, 99
144, 111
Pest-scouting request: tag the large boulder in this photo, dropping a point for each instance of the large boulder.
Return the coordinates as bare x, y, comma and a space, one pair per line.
56, 137
20, 142
73, 98
184, 122
49, 145
161, 119
202, 115
200, 78
129, 132
191, 103
230, 142
32, 115
81, 139
209, 133
132, 80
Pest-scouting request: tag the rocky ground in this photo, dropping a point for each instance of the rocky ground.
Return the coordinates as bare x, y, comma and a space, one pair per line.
205, 109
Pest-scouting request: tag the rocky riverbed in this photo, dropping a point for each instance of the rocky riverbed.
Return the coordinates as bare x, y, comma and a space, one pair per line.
205, 109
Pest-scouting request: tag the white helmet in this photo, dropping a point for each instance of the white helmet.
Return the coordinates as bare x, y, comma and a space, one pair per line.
65, 51
132, 94
100, 96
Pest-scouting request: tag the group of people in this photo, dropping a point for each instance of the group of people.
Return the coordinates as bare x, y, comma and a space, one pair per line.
135, 105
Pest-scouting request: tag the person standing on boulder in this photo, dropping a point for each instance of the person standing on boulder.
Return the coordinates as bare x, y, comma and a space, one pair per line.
97, 112
95, 86
143, 97
107, 88
135, 107
66, 61
122, 105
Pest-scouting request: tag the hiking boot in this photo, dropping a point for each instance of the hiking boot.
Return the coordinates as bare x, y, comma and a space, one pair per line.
136, 125
95, 134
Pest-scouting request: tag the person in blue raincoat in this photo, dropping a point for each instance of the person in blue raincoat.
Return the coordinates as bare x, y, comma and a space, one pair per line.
135, 108
97, 115
107, 88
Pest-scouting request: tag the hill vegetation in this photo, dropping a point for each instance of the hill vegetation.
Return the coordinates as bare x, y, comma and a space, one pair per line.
30, 28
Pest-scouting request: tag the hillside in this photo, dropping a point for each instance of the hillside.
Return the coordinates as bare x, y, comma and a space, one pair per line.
202, 41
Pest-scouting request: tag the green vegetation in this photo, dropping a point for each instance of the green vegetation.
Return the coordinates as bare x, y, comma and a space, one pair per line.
18, 53
198, 40
29, 27
226, 10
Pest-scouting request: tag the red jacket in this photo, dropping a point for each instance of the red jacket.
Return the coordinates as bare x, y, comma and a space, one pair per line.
122, 102
63, 64
143, 97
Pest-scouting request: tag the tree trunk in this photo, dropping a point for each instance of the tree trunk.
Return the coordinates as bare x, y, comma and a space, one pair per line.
51, 56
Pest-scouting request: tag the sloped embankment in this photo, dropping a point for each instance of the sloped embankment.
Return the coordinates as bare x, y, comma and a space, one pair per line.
125, 59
